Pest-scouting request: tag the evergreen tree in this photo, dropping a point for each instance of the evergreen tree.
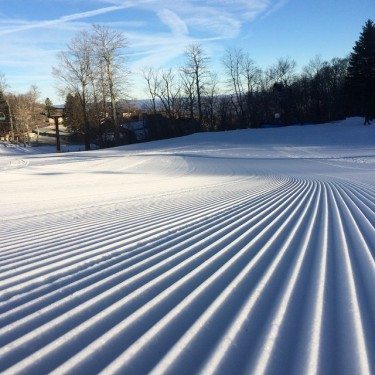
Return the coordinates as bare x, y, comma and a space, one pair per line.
361, 72
73, 114
5, 125
48, 105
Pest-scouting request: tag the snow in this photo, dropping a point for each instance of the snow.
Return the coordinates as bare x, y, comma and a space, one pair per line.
247, 251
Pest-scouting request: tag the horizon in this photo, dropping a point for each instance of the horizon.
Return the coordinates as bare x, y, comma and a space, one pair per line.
33, 33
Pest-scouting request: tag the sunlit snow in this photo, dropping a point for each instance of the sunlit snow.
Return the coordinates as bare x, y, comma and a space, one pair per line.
224, 253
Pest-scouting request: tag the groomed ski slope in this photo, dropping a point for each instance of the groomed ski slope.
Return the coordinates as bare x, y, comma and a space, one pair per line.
249, 252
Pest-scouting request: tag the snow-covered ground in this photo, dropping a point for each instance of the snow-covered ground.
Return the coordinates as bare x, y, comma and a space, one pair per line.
249, 251
46, 146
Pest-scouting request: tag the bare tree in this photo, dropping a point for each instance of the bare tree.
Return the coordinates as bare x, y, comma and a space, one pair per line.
251, 74
169, 93
233, 60
21, 113
196, 67
313, 67
35, 108
243, 78
109, 49
188, 92
97, 110
283, 72
163, 85
26, 112
75, 72
3, 83
152, 81
211, 100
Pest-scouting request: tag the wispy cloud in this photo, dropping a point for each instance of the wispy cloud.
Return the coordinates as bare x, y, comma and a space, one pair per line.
217, 17
31, 52
173, 21
275, 7
61, 20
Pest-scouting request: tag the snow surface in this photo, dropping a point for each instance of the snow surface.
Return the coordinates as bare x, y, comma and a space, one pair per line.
248, 251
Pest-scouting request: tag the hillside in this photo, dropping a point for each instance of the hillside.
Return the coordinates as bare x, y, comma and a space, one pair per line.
234, 252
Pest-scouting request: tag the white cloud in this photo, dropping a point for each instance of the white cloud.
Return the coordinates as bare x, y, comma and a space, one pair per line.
275, 7
61, 20
31, 51
173, 21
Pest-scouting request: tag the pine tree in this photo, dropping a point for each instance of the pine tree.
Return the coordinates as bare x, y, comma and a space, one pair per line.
48, 105
361, 72
5, 125
73, 114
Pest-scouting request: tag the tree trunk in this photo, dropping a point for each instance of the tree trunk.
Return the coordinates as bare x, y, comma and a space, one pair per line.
199, 98
86, 122
113, 104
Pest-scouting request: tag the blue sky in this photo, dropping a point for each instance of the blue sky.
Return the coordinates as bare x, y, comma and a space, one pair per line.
33, 31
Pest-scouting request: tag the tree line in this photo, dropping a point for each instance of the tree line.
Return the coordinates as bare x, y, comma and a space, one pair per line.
248, 96
23, 111
94, 79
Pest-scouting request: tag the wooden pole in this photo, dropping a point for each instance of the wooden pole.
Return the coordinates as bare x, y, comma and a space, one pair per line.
58, 146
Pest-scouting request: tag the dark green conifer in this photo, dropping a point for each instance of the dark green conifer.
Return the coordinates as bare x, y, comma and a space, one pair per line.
5, 124
73, 114
361, 72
